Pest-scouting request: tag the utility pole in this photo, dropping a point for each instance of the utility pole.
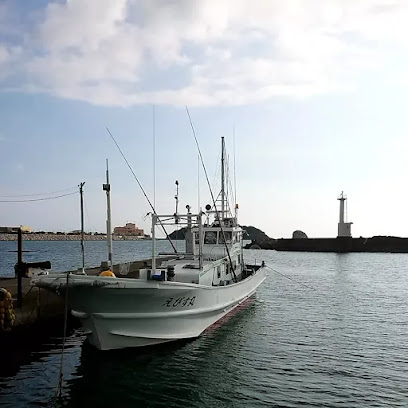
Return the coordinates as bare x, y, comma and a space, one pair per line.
81, 192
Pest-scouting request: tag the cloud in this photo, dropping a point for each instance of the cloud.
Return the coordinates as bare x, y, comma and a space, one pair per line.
204, 53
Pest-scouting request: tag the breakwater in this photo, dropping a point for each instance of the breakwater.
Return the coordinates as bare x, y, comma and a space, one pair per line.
68, 237
339, 245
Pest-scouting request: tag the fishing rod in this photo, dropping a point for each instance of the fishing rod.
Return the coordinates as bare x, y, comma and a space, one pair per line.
143, 191
212, 195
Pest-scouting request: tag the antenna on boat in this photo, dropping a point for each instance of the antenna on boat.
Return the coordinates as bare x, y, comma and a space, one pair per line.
211, 192
235, 174
81, 193
143, 191
154, 155
222, 179
106, 187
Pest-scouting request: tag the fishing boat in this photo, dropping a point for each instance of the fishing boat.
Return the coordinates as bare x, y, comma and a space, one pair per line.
172, 296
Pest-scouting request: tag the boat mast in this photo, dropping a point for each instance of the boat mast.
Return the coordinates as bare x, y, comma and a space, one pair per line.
106, 187
222, 179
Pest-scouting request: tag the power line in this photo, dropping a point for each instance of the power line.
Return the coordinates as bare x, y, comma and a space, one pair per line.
38, 194
38, 199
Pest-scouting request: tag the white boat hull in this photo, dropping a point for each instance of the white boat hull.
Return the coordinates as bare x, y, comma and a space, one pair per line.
156, 312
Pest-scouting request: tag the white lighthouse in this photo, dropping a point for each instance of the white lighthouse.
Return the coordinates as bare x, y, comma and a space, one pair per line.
344, 228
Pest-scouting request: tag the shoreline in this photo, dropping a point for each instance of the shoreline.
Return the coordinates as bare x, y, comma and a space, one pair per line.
69, 237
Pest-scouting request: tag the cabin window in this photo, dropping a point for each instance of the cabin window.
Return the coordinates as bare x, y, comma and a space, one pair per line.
227, 269
210, 237
239, 259
219, 272
197, 237
228, 236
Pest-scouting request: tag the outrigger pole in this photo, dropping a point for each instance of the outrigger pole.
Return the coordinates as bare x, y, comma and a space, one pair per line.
143, 191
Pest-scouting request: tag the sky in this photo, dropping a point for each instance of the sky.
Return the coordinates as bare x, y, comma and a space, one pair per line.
310, 96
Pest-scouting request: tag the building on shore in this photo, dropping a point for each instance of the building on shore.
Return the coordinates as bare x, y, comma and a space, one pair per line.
128, 229
12, 230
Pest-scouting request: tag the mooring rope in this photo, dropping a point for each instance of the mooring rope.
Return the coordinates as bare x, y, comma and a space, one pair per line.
58, 390
307, 286
291, 279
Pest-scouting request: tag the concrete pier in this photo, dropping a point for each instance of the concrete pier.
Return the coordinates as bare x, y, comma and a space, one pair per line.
38, 306
43, 310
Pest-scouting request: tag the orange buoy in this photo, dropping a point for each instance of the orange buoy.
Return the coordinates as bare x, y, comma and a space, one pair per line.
108, 273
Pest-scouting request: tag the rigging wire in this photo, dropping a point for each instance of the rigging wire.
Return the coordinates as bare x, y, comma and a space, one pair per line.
229, 188
39, 199
143, 191
37, 194
211, 192
230, 197
234, 204
226, 159
198, 183
217, 171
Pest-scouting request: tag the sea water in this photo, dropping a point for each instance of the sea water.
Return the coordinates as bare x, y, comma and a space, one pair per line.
325, 330
67, 256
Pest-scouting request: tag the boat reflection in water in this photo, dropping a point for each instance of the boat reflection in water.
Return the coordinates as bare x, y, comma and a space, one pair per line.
179, 373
